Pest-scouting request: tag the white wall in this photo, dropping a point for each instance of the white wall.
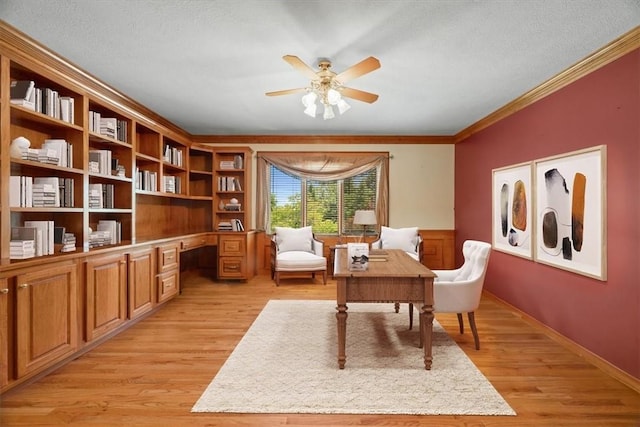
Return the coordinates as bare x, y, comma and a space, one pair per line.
421, 180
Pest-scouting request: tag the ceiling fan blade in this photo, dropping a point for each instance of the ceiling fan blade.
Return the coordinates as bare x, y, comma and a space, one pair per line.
299, 65
361, 68
360, 95
286, 92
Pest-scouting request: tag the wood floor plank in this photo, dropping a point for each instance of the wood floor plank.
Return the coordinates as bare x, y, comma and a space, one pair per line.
153, 373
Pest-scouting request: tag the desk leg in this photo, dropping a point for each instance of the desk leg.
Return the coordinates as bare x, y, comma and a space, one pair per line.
426, 329
341, 315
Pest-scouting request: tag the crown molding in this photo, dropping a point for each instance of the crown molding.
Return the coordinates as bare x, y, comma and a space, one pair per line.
614, 50
322, 139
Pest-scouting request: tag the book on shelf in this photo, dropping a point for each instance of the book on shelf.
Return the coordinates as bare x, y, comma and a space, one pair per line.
236, 225
227, 164
22, 93
46, 192
114, 229
108, 127
225, 226
45, 236
63, 151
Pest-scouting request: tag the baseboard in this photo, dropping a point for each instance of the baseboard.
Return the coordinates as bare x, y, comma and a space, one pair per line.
594, 359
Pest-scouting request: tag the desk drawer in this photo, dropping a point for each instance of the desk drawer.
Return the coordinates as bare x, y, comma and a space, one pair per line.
168, 257
231, 267
193, 243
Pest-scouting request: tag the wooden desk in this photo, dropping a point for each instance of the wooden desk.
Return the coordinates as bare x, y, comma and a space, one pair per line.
398, 279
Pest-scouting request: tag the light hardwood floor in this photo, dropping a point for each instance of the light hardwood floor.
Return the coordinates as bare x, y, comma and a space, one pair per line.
152, 374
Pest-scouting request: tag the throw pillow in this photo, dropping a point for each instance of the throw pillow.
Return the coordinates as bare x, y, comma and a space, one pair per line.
399, 238
294, 239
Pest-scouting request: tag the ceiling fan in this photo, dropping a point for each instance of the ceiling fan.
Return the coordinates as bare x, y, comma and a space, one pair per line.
328, 87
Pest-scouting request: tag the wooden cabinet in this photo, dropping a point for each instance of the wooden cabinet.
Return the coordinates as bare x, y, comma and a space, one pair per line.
234, 255
141, 290
4, 332
46, 317
168, 277
106, 294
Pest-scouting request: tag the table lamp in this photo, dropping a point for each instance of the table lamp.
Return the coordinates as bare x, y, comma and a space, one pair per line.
364, 218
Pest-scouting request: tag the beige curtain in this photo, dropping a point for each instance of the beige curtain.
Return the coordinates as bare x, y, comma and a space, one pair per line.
321, 167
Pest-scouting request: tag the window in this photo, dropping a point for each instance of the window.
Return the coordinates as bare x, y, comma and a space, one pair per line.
321, 189
328, 206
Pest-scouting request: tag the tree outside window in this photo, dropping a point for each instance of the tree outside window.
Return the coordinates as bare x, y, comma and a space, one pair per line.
328, 206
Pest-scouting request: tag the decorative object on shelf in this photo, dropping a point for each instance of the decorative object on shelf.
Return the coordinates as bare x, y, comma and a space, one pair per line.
233, 205
364, 218
327, 87
18, 145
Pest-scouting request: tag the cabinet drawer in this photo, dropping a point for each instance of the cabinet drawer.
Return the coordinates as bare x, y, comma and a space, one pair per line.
231, 246
168, 285
193, 243
231, 267
168, 257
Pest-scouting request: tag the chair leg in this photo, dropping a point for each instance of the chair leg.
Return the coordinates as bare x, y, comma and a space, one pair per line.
410, 315
324, 276
472, 323
461, 323
277, 278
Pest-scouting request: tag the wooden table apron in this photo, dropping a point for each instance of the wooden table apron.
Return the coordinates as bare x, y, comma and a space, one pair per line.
398, 279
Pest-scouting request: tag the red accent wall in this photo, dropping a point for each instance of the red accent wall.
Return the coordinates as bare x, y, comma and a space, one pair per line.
601, 108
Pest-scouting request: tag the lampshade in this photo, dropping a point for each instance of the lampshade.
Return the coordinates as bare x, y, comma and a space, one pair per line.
328, 112
343, 106
365, 217
311, 110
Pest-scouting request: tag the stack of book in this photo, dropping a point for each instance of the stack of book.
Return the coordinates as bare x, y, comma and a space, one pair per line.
63, 241
225, 226
227, 164
44, 236
46, 192
113, 228
23, 242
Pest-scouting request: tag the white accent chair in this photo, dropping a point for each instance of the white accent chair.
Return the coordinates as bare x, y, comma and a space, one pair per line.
296, 250
458, 291
407, 239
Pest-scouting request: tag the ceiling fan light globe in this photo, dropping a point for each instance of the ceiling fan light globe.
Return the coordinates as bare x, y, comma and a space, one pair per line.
343, 106
309, 99
328, 112
333, 96
311, 110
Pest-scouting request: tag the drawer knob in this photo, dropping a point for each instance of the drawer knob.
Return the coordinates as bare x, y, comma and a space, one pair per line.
4, 291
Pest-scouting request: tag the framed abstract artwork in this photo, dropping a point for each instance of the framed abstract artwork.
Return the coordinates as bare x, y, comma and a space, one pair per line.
571, 211
512, 226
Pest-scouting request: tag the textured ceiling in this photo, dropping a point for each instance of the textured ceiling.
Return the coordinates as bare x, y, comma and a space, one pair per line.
205, 65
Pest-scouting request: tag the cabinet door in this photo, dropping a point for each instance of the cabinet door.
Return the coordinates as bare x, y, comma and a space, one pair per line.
141, 275
4, 332
106, 294
168, 285
47, 323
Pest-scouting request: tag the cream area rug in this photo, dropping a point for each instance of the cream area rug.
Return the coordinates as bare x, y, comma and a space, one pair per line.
287, 363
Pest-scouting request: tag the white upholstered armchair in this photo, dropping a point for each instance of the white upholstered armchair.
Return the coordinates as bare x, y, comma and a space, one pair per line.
407, 239
295, 250
458, 291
